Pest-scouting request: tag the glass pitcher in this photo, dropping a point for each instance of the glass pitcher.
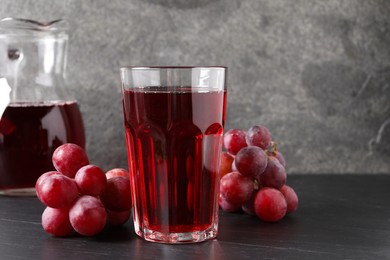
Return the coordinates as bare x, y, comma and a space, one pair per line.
37, 112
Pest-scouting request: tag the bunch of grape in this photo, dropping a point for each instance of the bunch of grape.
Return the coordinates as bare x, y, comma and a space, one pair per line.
80, 197
253, 175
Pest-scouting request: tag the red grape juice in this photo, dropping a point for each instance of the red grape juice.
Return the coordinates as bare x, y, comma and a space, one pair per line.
29, 134
174, 140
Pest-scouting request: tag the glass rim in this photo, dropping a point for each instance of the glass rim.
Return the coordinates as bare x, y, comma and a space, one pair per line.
23, 24
170, 67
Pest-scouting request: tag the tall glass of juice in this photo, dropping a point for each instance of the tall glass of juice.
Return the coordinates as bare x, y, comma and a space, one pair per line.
174, 119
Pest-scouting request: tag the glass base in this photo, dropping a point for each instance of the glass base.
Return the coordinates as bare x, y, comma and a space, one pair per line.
178, 238
19, 192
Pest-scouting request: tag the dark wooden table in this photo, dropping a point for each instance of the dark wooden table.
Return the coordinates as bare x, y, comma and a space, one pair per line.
339, 217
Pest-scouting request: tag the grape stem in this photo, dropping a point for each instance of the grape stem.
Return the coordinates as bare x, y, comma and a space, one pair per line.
272, 149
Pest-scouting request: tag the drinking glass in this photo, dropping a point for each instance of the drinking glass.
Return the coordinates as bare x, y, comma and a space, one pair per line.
174, 119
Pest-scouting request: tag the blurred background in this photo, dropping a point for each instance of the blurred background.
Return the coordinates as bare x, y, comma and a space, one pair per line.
316, 73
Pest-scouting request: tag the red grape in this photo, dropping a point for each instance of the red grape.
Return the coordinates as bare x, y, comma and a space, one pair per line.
236, 188
56, 222
249, 206
270, 204
291, 198
57, 191
91, 180
272, 150
226, 164
88, 216
228, 206
274, 175
234, 168
117, 218
69, 158
281, 159
234, 140
117, 194
42, 178
116, 172
251, 161
259, 136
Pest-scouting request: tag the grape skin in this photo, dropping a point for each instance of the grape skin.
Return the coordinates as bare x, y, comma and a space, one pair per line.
116, 172
281, 159
69, 158
270, 205
40, 180
249, 206
56, 222
236, 188
226, 164
117, 218
91, 180
273, 151
274, 175
234, 140
57, 191
251, 161
228, 206
88, 216
258, 136
291, 198
44, 176
117, 194
234, 168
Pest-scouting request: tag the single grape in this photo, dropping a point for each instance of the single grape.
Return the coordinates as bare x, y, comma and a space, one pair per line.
42, 178
56, 222
234, 140
88, 216
116, 172
226, 164
69, 158
274, 175
251, 161
236, 188
291, 198
57, 191
259, 136
117, 194
270, 205
91, 180
117, 218
228, 206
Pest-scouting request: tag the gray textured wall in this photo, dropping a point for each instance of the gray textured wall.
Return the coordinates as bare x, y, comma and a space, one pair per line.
317, 73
